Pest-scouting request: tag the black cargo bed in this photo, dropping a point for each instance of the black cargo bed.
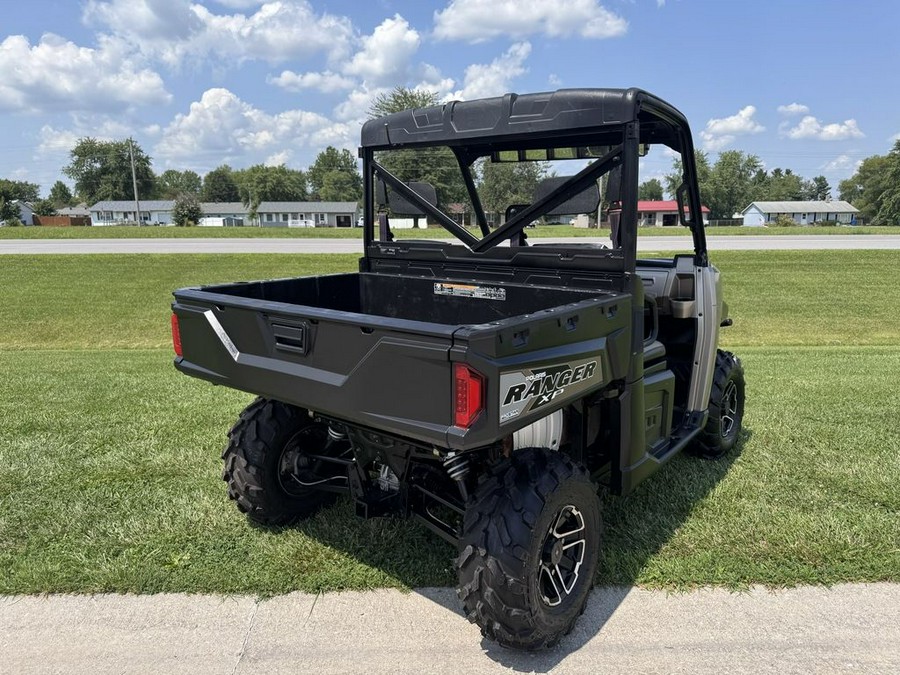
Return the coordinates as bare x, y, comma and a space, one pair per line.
376, 350
440, 301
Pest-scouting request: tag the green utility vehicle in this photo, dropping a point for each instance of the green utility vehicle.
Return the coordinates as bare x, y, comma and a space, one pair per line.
488, 387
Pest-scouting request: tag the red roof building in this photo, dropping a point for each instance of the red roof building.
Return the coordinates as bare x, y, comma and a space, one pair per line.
662, 213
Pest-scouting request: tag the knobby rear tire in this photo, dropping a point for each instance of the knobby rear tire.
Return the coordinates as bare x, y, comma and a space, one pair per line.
502, 567
252, 464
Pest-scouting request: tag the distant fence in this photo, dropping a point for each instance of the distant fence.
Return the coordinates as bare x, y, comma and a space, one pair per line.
62, 221
726, 222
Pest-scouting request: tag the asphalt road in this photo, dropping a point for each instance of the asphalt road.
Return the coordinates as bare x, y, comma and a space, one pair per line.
848, 628
297, 245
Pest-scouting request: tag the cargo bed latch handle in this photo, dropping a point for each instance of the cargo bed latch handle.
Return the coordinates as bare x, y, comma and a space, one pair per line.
294, 339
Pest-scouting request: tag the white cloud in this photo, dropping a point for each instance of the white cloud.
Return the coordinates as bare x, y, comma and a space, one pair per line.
240, 4
494, 78
278, 158
386, 54
660, 3
221, 127
478, 20
895, 137
56, 140
554, 80
431, 79
720, 133
355, 107
326, 82
793, 109
811, 127
175, 30
99, 126
56, 74
838, 163
144, 19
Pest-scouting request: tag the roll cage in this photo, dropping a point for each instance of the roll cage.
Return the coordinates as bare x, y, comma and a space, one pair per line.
617, 120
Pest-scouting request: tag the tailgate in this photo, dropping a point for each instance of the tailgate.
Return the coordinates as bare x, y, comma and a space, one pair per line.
385, 373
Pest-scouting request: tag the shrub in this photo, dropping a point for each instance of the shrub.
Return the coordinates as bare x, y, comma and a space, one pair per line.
186, 211
826, 223
783, 221
14, 222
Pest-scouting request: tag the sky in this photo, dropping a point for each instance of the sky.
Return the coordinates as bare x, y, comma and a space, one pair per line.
808, 85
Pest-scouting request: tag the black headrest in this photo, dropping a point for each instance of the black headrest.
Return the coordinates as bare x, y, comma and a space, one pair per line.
585, 201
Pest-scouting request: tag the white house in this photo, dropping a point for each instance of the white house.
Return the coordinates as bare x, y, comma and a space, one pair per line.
223, 214
153, 212
269, 214
80, 210
663, 213
26, 211
293, 214
803, 213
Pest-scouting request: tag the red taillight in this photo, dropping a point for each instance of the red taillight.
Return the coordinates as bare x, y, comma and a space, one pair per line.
176, 335
468, 395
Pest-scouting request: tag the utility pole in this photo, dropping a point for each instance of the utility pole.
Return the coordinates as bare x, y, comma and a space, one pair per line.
137, 203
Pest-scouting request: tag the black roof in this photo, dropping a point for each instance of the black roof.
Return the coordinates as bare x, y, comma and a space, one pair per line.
512, 118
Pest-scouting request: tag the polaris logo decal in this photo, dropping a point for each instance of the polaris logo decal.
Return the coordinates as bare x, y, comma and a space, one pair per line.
524, 391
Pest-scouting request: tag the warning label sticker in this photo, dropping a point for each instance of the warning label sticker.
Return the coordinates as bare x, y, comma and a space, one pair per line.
469, 291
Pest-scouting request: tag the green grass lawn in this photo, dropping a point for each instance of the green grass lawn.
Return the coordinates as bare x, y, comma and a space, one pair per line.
122, 301
109, 459
115, 232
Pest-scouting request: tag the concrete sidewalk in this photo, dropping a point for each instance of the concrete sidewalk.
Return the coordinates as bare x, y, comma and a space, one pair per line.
849, 628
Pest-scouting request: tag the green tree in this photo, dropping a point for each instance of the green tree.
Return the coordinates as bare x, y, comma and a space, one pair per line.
172, 183
436, 166
402, 98
889, 209
674, 179
271, 183
340, 186
331, 161
506, 183
262, 183
61, 195
12, 190
729, 188
219, 186
817, 188
102, 170
9, 211
781, 185
875, 188
44, 207
186, 210
19, 189
650, 190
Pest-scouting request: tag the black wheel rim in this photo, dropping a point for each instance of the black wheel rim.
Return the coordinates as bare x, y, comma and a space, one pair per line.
561, 556
730, 412
298, 473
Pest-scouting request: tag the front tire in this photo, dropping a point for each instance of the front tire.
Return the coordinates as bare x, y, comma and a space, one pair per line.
529, 549
726, 408
267, 470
